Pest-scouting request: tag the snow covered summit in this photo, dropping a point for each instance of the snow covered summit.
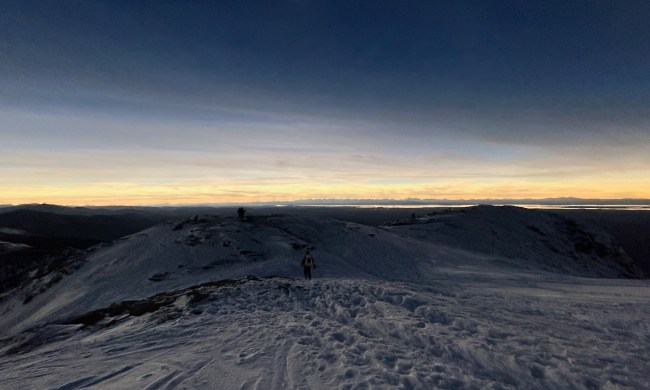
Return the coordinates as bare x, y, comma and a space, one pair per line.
485, 297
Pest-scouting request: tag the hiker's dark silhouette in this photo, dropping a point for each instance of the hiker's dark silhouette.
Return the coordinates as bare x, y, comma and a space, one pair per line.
241, 214
308, 264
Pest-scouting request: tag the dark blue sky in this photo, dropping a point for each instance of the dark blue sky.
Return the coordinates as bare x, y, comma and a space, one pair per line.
537, 73
308, 55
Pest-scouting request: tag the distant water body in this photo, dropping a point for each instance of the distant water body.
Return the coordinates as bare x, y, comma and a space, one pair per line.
528, 206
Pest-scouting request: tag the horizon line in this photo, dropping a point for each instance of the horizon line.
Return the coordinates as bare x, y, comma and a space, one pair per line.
379, 202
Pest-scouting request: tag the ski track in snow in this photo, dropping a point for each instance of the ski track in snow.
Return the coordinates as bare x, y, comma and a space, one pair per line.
385, 311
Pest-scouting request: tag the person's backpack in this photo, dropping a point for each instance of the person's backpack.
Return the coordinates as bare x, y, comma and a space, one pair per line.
309, 261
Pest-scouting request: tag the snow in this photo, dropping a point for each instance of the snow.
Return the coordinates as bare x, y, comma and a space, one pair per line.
526, 239
389, 308
6, 230
8, 247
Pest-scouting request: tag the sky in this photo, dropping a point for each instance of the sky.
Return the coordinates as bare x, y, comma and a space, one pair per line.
177, 102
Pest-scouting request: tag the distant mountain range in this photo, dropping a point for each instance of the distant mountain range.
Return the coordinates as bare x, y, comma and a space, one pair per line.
418, 201
173, 208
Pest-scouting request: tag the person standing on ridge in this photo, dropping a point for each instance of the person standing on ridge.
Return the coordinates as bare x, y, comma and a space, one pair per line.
307, 264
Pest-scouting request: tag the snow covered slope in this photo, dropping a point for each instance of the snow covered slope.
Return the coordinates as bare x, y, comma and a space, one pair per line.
429, 304
525, 238
176, 255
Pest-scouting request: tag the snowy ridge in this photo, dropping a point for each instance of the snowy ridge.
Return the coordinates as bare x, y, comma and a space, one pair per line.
419, 304
171, 256
525, 238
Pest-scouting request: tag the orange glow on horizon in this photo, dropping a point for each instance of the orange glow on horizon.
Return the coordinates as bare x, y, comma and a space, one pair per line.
132, 194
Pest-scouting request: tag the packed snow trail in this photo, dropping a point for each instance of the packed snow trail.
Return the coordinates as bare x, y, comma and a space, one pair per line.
282, 333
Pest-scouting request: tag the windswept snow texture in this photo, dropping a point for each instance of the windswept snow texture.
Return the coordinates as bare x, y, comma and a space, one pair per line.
8, 247
405, 306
